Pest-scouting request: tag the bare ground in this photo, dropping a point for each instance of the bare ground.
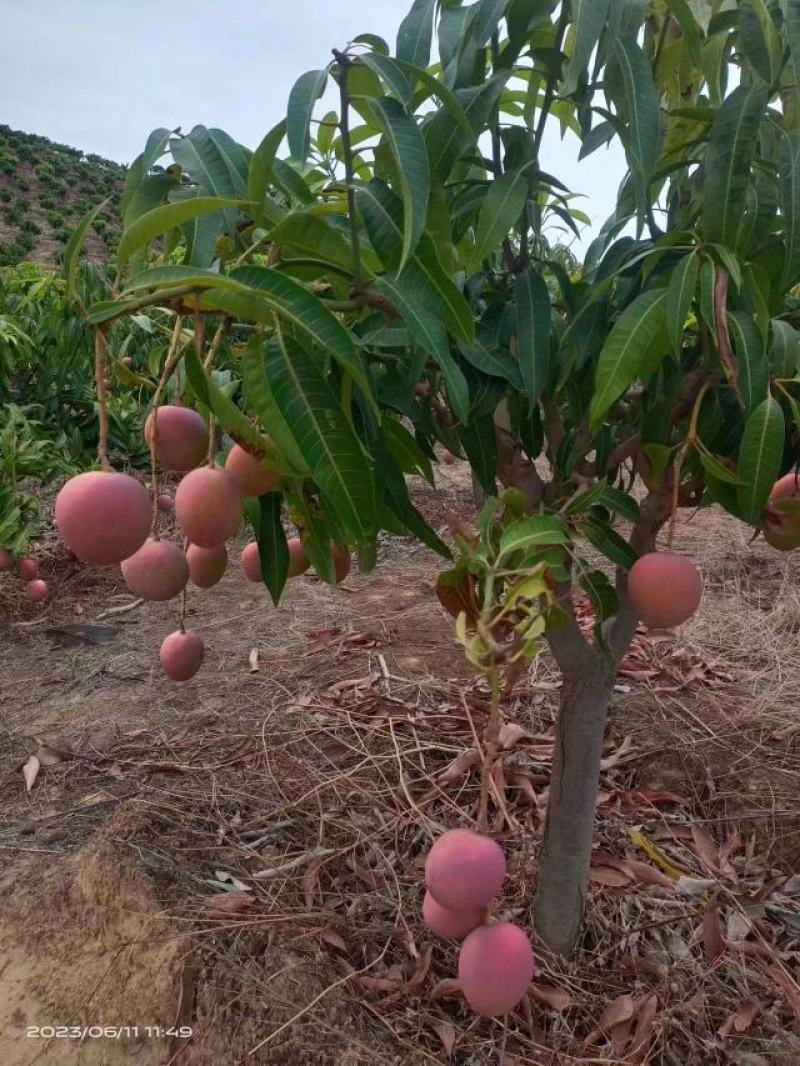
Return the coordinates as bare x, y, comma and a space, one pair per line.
242, 855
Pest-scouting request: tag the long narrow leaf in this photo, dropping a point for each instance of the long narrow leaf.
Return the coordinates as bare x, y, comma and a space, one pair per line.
305, 92
760, 457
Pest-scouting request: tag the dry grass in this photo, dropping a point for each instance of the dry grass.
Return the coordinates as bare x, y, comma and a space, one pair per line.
281, 818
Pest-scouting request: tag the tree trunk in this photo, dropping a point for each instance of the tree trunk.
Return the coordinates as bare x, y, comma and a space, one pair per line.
567, 847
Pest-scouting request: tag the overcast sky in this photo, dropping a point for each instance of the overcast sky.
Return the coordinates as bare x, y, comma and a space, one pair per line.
100, 74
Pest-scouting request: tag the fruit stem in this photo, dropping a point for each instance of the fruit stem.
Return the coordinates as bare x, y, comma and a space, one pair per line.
208, 362
490, 754
182, 611
688, 444
173, 357
344, 62
101, 385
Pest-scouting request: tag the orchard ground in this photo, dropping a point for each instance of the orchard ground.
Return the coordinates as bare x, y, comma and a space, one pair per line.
243, 854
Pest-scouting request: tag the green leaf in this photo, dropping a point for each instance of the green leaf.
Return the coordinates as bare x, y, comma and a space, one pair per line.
262, 403
533, 332
682, 287
391, 74
415, 34
501, 210
791, 17
72, 252
608, 541
424, 279
260, 176
273, 550
405, 451
309, 314
139, 169
689, 30
495, 361
732, 142
601, 593
316, 536
408, 149
532, 532
589, 17
760, 456
715, 467
398, 501
445, 95
292, 185
227, 413
484, 21
147, 227
324, 437
305, 92
479, 441
789, 183
643, 117
759, 40
752, 368
214, 160
377, 44
313, 237
785, 350
428, 332
629, 347
446, 138
706, 295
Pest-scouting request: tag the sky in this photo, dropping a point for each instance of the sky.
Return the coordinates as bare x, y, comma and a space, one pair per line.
100, 74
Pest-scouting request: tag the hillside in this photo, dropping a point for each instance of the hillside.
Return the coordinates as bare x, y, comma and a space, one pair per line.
45, 188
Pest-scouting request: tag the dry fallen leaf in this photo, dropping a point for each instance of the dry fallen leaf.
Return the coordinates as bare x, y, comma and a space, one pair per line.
647, 874
607, 875
705, 848
447, 1034
254, 666
30, 771
619, 1010
741, 1019
332, 938
558, 999
461, 765
713, 939
787, 986
786, 733
643, 1035
510, 734
445, 989
229, 903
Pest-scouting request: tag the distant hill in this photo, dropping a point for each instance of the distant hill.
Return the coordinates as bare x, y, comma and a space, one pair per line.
45, 188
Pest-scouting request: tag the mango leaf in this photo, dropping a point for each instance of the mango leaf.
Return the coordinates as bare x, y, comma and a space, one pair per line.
309, 314
72, 252
715, 467
732, 141
495, 361
213, 160
398, 501
262, 403
602, 594
377, 44
791, 18
408, 148
589, 17
479, 441
486, 16
227, 413
391, 74
789, 183
259, 176
292, 184
316, 535
415, 34
324, 437
429, 334
785, 349
760, 455
682, 287
629, 347
608, 541
139, 169
643, 117
304, 94
405, 451
759, 39
690, 30
313, 237
752, 368
424, 278
435, 87
151, 225
273, 550
501, 210
533, 332
446, 138
533, 532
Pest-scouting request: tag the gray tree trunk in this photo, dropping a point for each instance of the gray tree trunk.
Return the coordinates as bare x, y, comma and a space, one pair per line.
567, 848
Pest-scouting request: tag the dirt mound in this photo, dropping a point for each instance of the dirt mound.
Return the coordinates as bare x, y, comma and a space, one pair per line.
84, 944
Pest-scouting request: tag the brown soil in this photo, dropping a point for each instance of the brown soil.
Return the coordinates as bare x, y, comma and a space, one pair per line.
242, 854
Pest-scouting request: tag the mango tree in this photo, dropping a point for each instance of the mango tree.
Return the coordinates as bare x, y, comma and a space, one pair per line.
385, 273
